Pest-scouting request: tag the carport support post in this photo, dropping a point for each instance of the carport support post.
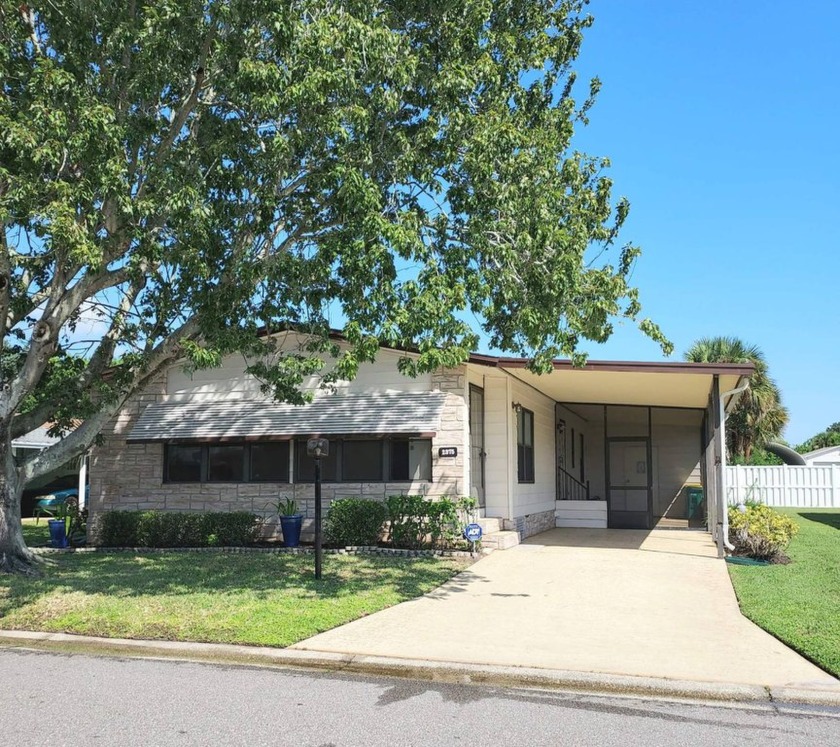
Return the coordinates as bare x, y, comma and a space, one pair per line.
719, 445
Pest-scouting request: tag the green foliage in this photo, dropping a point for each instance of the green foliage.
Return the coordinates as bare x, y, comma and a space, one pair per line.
760, 532
799, 603
203, 171
354, 521
118, 528
415, 522
231, 529
759, 416
257, 599
77, 522
286, 507
829, 437
171, 529
759, 456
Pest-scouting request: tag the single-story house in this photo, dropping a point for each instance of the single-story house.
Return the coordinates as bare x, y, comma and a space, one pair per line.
612, 444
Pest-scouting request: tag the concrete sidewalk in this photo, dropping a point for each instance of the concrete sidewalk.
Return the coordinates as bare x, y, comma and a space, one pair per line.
629, 603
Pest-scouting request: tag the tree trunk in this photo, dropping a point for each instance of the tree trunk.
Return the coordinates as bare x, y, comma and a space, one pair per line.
15, 556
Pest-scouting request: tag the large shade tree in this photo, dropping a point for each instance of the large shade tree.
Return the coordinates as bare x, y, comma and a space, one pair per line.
759, 416
189, 175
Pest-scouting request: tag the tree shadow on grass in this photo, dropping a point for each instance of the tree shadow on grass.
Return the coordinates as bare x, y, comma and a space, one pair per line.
260, 575
829, 518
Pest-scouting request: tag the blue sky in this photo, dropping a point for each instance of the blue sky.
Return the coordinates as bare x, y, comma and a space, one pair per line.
722, 121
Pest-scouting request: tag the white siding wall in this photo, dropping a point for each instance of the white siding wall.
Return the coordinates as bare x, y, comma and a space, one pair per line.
230, 381
498, 466
539, 496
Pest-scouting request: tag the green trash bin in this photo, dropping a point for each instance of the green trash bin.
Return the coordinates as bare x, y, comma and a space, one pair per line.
695, 502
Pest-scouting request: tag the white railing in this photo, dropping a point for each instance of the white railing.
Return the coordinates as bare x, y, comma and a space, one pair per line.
804, 487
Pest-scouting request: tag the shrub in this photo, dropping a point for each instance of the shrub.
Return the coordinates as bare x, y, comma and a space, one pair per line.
233, 529
354, 521
760, 532
118, 528
407, 517
170, 529
164, 529
416, 522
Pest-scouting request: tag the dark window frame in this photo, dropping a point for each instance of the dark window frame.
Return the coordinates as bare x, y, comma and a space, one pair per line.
525, 458
204, 472
337, 448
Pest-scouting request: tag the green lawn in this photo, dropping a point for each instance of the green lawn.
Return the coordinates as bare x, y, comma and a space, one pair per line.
261, 599
800, 603
36, 535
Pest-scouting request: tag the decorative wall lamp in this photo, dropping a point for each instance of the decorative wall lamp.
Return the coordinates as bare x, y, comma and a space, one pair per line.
516, 406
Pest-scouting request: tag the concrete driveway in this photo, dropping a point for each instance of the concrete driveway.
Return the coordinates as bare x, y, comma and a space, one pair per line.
656, 604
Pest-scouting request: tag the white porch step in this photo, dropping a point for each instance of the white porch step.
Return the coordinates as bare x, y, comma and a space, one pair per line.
582, 523
500, 540
489, 525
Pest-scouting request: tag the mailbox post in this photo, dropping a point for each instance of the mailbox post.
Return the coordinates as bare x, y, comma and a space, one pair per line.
317, 448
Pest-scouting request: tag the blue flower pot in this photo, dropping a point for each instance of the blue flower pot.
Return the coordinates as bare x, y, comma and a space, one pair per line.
291, 529
58, 533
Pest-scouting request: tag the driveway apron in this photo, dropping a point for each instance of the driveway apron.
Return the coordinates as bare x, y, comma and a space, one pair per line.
655, 604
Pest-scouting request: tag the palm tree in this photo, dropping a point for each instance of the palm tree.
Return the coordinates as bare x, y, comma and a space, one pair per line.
759, 416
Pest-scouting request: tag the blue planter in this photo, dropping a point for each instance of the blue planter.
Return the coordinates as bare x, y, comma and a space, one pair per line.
291, 529
58, 533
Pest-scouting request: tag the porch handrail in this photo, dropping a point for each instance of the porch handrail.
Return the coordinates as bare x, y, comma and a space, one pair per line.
571, 489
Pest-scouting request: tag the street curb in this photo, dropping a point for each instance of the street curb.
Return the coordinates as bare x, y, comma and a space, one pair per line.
432, 671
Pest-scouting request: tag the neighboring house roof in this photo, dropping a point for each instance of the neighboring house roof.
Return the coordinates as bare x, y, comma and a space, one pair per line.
408, 413
36, 439
827, 454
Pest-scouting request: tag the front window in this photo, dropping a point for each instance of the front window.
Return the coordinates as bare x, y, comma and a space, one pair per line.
183, 463
397, 459
226, 463
525, 445
361, 461
256, 462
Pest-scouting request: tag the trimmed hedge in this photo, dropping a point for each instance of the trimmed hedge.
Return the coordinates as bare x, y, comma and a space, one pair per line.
354, 521
171, 529
416, 522
406, 521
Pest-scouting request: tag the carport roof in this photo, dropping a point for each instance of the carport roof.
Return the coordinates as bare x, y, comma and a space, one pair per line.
658, 384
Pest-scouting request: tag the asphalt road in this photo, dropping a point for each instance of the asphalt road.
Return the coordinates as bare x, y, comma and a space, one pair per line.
54, 699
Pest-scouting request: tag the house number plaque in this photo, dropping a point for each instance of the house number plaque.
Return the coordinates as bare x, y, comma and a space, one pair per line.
448, 451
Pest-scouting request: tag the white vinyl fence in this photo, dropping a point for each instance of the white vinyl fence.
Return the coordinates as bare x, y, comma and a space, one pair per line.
804, 487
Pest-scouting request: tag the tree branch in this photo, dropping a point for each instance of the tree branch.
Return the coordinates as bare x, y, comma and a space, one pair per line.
188, 105
80, 440
97, 365
44, 340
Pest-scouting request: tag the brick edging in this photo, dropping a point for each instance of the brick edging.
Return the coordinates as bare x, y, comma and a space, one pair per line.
349, 550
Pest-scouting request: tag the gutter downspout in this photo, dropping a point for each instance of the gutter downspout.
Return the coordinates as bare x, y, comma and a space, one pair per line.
724, 500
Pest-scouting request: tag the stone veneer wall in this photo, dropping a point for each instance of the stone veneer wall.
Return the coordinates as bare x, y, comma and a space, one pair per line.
130, 476
530, 524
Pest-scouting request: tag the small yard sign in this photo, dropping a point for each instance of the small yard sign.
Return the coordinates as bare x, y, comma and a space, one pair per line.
472, 532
